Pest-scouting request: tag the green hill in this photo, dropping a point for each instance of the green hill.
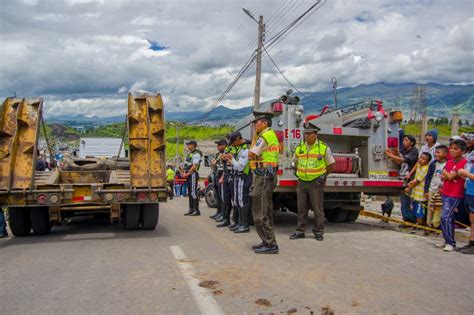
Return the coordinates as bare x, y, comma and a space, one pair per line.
60, 133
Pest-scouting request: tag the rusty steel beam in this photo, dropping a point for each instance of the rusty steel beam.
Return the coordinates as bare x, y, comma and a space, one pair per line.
146, 132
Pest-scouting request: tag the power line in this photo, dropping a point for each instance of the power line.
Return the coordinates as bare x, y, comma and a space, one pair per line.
290, 27
281, 72
242, 71
293, 25
277, 38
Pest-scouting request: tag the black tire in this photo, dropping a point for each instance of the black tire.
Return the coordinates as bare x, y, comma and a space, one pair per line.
40, 220
150, 215
211, 197
336, 215
19, 221
131, 216
352, 216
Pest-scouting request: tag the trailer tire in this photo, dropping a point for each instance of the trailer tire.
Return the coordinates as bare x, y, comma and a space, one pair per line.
40, 220
337, 215
19, 221
352, 216
150, 215
131, 216
211, 197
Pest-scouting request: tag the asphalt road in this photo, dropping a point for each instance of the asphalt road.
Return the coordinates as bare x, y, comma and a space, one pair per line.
94, 268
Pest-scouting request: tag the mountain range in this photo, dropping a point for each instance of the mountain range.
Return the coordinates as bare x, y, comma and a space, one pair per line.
441, 101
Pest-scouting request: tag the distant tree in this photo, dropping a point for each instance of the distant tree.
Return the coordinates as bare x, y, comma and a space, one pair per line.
431, 121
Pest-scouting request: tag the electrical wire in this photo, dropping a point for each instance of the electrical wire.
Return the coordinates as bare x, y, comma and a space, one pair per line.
277, 38
242, 71
281, 72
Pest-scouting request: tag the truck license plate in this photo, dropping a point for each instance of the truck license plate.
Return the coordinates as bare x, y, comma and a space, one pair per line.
378, 175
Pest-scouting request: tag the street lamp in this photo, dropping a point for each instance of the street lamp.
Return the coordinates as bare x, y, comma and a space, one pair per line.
249, 13
177, 140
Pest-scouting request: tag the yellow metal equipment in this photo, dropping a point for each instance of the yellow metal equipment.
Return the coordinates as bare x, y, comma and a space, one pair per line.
37, 200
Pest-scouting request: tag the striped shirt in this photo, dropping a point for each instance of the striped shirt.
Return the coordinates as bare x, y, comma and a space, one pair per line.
418, 192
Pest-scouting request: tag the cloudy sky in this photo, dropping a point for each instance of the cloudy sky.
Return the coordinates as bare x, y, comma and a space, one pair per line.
83, 56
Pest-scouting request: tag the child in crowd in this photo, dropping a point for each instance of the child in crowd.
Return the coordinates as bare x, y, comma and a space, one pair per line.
468, 173
417, 187
433, 186
453, 192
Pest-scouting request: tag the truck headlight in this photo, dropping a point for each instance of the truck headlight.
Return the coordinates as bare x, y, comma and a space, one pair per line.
378, 116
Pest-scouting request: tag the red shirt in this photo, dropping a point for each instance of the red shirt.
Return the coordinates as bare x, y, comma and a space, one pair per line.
454, 188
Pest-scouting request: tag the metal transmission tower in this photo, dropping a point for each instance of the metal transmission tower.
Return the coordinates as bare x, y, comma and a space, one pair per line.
418, 107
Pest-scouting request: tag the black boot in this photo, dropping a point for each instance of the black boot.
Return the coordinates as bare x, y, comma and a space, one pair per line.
243, 229
243, 220
191, 206
234, 226
220, 218
224, 223
196, 208
215, 215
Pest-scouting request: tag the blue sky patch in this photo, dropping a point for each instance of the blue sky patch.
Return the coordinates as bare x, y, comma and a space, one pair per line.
155, 46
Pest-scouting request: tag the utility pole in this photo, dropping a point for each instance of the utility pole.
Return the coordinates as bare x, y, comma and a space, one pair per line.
256, 98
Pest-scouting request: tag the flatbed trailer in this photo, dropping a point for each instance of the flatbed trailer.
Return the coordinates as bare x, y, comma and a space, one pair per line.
39, 200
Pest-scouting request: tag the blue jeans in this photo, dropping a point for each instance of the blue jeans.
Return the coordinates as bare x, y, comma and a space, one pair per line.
3, 224
405, 205
177, 189
447, 218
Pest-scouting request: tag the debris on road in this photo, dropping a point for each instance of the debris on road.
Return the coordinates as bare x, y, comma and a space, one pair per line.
326, 310
209, 284
263, 302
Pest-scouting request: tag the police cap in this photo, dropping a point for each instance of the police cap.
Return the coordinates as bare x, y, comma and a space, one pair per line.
310, 127
234, 136
262, 115
191, 142
221, 142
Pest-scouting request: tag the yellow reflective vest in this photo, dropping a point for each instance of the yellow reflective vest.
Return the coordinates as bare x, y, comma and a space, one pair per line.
170, 174
271, 153
312, 164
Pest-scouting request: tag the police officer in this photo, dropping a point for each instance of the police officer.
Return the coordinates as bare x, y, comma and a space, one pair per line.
242, 182
264, 156
191, 168
314, 161
227, 180
170, 174
217, 165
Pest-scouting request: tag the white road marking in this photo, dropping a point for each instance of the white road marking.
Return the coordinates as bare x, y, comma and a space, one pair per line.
203, 298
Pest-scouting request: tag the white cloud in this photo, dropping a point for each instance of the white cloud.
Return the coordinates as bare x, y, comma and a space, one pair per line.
78, 50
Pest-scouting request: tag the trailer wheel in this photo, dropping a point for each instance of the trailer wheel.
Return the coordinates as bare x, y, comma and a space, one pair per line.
352, 216
211, 197
19, 221
131, 216
337, 215
40, 220
150, 215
